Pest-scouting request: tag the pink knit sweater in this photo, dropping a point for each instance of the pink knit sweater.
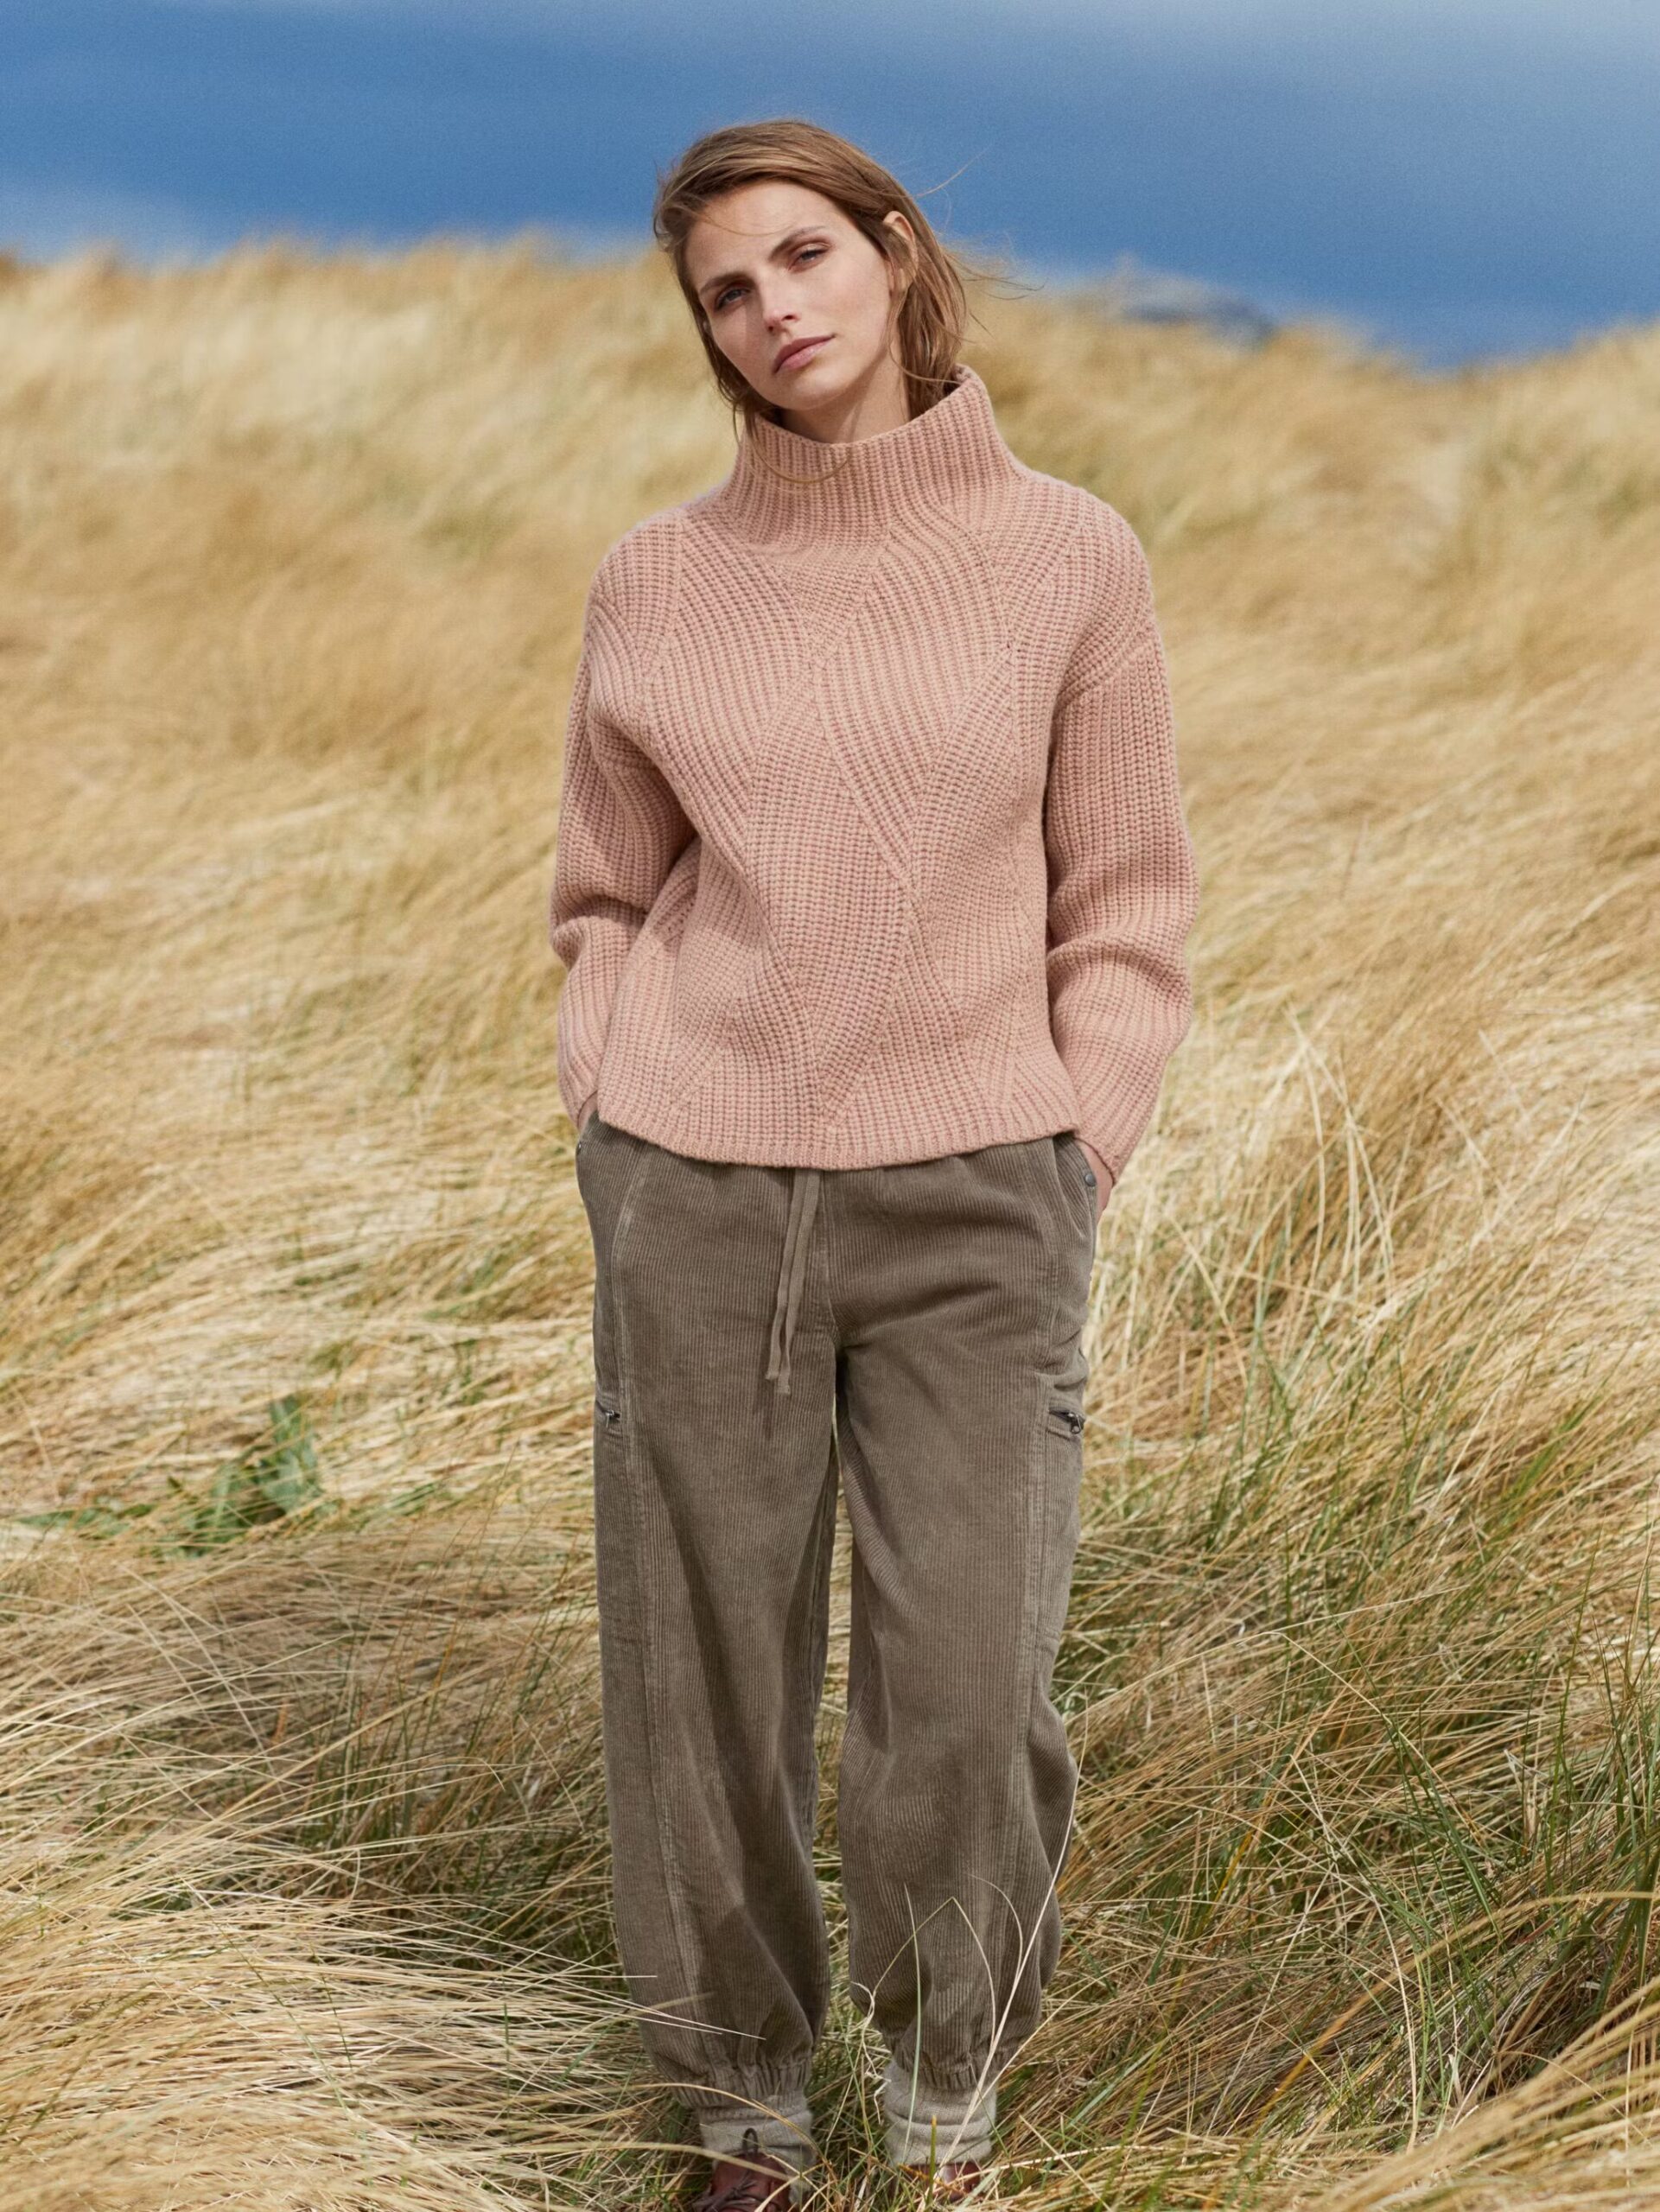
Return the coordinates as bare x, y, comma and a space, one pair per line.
871, 844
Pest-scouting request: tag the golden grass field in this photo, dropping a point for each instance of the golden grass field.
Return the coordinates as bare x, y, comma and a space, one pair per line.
303, 1896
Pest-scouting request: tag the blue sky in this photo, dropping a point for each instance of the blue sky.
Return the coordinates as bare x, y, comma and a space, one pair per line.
1451, 177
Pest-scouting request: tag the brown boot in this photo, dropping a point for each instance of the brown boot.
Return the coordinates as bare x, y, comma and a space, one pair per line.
751, 2181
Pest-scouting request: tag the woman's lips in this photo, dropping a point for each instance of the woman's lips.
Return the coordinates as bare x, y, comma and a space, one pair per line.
804, 352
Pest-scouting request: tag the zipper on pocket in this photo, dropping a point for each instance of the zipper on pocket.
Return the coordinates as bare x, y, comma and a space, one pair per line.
1068, 1416
608, 1409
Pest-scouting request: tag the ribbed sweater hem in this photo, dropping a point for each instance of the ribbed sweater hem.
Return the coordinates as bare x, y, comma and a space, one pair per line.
807, 1150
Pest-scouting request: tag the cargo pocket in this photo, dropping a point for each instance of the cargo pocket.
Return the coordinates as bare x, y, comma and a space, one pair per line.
613, 1513
609, 1457
1065, 1420
1062, 1462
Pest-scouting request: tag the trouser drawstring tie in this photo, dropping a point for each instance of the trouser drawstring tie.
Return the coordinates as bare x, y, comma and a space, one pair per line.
792, 1268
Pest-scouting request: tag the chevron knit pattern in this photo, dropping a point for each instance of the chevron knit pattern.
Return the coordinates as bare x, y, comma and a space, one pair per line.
871, 845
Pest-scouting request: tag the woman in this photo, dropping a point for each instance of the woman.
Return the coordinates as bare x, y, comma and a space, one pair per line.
872, 888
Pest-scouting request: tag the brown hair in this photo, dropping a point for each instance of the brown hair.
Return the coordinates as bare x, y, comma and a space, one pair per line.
934, 310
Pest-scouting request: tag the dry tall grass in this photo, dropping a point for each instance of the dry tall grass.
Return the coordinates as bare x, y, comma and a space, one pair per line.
301, 1868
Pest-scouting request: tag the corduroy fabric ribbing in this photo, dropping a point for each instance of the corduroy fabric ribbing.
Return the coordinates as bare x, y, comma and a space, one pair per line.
871, 846
939, 1371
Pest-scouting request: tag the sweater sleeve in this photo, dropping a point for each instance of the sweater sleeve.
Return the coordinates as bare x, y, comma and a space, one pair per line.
1123, 877
621, 830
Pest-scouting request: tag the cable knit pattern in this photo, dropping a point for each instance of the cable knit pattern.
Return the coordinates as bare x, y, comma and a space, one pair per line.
871, 846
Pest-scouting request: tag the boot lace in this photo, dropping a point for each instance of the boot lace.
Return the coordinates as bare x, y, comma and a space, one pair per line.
744, 2189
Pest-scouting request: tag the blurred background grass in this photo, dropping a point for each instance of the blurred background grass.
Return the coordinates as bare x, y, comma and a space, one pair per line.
303, 1876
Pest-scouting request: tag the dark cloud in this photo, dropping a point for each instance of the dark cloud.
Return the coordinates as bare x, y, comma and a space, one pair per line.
1455, 179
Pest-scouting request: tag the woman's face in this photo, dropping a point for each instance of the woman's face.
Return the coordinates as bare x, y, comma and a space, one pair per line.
773, 264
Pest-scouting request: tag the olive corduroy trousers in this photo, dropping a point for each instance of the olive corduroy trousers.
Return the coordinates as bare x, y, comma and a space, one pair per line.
758, 1332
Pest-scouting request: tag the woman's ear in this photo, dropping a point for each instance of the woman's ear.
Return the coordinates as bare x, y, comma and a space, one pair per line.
902, 262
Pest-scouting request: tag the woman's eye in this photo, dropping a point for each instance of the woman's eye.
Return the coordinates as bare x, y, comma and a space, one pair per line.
807, 253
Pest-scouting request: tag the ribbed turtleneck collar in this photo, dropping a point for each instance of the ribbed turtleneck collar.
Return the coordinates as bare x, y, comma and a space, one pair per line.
859, 484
